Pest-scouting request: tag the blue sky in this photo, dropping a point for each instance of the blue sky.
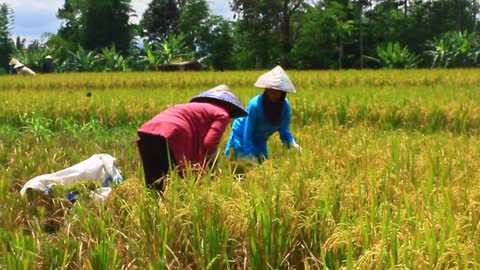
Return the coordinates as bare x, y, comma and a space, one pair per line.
35, 17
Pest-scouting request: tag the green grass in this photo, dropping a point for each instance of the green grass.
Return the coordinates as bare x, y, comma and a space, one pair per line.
388, 177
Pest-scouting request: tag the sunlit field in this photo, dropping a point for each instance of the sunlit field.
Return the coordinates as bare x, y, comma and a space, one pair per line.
389, 177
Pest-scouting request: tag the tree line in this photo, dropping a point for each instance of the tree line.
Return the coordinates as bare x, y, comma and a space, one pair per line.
98, 35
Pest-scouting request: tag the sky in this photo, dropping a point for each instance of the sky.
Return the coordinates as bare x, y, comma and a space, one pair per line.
35, 17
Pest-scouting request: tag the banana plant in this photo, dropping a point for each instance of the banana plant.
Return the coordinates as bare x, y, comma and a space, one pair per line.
455, 49
149, 61
31, 56
170, 50
394, 56
174, 49
112, 60
80, 60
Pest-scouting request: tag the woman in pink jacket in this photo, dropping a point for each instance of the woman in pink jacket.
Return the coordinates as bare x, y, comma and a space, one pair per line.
186, 133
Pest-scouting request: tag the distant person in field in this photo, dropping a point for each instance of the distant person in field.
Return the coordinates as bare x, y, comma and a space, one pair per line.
11, 65
268, 112
48, 66
23, 70
186, 133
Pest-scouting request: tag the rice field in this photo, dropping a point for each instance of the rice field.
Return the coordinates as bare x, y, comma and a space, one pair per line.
389, 177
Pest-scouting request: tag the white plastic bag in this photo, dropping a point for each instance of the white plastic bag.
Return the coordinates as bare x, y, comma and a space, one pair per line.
98, 168
100, 194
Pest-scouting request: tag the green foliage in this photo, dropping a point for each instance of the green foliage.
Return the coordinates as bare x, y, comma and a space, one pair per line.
112, 60
394, 56
160, 20
244, 56
295, 33
30, 57
106, 23
6, 44
322, 38
193, 24
218, 47
171, 50
386, 22
69, 32
455, 49
20, 43
37, 125
33, 56
150, 60
270, 26
80, 60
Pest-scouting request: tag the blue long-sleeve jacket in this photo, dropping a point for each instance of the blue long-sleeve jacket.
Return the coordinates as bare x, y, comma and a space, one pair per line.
250, 133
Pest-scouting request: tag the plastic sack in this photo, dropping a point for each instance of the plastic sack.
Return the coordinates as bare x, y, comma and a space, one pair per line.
98, 168
100, 194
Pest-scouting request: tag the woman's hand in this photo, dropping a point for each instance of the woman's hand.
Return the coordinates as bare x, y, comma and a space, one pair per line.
296, 146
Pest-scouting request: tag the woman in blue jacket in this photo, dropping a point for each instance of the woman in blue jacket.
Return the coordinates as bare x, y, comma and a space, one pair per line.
267, 113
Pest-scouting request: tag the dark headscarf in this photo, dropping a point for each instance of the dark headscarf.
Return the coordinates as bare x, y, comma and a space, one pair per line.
273, 110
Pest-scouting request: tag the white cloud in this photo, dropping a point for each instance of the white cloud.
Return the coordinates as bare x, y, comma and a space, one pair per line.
34, 4
35, 17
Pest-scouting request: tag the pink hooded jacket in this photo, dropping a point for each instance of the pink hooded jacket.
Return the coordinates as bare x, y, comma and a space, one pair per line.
193, 130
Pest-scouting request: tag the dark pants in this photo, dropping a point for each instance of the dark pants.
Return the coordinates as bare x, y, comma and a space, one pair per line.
157, 159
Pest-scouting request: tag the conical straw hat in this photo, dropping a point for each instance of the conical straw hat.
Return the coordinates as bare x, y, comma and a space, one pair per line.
222, 94
277, 79
18, 65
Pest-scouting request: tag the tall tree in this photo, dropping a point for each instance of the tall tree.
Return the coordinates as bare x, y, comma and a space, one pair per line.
245, 54
423, 21
219, 43
69, 15
160, 19
359, 9
6, 44
290, 10
322, 38
193, 23
384, 24
272, 24
106, 23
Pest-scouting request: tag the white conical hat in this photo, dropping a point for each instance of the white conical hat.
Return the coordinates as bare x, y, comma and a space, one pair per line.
18, 65
13, 61
277, 79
